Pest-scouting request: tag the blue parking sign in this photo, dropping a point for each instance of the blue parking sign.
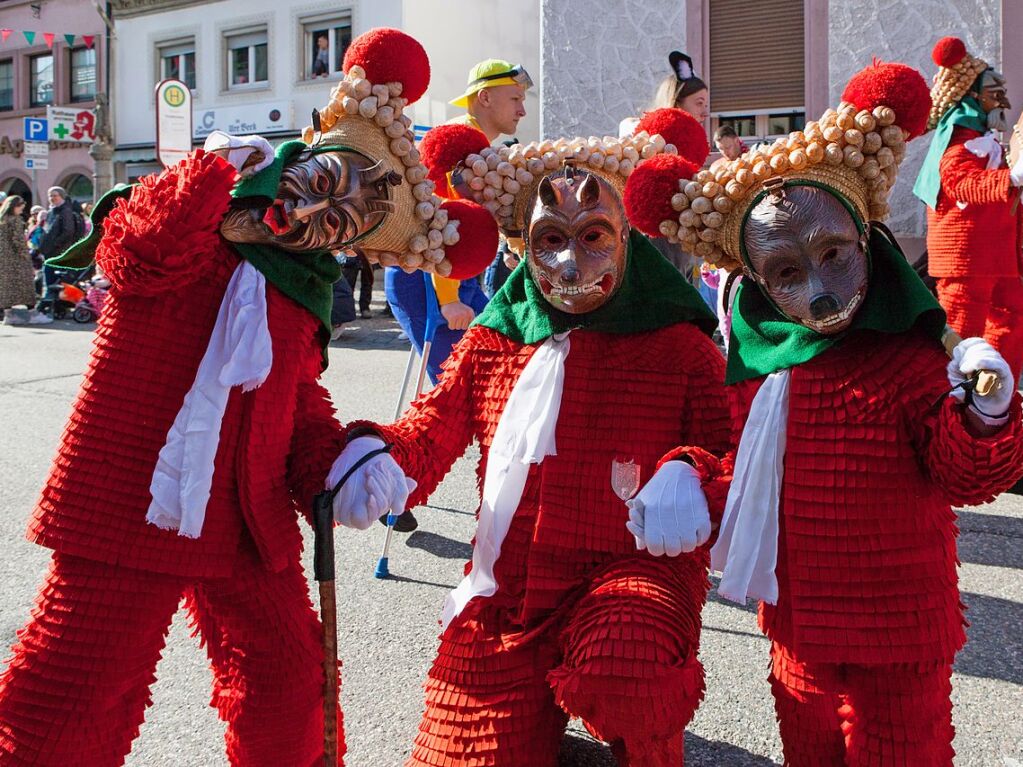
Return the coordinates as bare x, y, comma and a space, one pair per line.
36, 129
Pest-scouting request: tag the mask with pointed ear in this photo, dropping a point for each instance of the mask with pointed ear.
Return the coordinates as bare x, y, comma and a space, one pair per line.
324, 201
807, 255
577, 240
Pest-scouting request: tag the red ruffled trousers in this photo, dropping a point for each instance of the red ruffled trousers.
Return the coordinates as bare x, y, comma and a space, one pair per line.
849, 715
78, 685
621, 655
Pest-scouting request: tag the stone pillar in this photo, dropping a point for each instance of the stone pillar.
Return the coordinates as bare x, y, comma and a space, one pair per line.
601, 61
102, 150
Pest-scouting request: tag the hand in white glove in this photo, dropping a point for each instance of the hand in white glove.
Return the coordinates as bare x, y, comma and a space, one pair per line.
376, 487
669, 515
248, 154
970, 356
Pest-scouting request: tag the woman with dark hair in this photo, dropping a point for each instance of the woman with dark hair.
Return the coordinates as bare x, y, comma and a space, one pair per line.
17, 280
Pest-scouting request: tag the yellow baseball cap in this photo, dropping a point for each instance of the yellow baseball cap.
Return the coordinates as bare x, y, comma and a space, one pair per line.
491, 73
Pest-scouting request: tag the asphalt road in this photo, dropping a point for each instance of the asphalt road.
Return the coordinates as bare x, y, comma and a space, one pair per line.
388, 629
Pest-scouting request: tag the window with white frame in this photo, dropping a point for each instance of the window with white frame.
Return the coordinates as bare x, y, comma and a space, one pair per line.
247, 63
83, 74
40, 72
326, 40
6, 85
177, 62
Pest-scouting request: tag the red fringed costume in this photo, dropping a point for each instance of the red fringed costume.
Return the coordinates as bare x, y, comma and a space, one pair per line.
868, 617
78, 685
975, 250
581, 624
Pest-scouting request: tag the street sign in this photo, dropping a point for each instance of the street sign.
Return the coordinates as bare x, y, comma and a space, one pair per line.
173, 121
37, 163
37, 149
36, 129
71, 124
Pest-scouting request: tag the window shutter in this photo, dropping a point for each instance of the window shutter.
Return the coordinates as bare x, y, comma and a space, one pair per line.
756, 54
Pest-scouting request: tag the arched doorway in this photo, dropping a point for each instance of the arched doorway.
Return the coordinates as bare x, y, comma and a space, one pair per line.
18, 187
79, 188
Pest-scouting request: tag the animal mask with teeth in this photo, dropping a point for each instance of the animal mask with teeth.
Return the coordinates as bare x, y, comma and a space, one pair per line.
577, 238
809, 257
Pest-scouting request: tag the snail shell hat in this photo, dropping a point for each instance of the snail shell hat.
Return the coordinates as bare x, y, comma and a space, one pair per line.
385, 70
504, 180
957, 71
854, 150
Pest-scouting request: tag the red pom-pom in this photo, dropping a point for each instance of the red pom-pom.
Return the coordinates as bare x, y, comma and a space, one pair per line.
892, 85
477, 239
948, 52
390, 56
443, 147
680, 128
649, 190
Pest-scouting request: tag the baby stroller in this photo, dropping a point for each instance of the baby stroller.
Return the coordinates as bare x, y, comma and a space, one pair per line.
62, 292
89, 308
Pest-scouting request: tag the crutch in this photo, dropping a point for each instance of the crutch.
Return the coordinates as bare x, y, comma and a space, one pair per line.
324, 573
434, 319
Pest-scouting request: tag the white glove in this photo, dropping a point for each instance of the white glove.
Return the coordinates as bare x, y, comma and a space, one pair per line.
237, 150
669, 515
970, 356
376, 487
1016, 173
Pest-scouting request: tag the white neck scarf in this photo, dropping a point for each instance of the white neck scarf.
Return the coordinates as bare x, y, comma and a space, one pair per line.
746, 551
239, 353
524, 435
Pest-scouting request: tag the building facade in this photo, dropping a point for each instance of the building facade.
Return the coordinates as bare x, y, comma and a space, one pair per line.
770, 65
261, 66
64, 64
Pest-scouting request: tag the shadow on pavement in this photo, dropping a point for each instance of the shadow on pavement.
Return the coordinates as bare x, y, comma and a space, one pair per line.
713, 596
994, 648
579, 750
403, 579
991, 539
439, 545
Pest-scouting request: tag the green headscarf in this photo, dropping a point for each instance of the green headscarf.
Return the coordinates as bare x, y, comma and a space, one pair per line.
966, 114
653, 295
764, 340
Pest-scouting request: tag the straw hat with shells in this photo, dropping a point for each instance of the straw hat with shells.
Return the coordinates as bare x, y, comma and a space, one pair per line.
957, 71
504, 179
854, 149
385, 70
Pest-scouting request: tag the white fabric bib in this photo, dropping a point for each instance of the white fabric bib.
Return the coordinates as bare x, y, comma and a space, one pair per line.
239, 353
746, 551
524, 435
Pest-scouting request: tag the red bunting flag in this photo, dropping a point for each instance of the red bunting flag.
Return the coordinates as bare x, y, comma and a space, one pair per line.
5, 33
48, 37
30, 37
88, 40
69, 39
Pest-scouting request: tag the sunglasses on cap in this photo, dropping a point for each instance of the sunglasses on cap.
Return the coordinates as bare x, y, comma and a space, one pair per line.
517, 73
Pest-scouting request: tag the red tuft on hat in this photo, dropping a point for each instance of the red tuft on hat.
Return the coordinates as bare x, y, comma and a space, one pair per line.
678, 127
892, 85
390, 56
948, 52
443, 147
477, 239
650, 187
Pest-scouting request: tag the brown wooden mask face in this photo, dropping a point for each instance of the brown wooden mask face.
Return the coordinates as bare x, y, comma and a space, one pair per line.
324, 201
577, 241
808, 257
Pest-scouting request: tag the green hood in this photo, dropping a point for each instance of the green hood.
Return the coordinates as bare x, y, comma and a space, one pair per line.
652, 295
966, 114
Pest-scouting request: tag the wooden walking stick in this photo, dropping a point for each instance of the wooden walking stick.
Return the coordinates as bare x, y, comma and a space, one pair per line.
324, 573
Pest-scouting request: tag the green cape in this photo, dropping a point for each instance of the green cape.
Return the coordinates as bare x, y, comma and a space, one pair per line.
306, 278
653, 295
966, 114
764, 341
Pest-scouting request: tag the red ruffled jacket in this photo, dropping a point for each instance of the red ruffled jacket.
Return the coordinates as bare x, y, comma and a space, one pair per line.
984, 238
636, 396
169, 268
876, 455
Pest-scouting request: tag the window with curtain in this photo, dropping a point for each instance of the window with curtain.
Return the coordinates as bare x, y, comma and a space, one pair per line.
247, 63
177, 62
83, 74
41, 80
